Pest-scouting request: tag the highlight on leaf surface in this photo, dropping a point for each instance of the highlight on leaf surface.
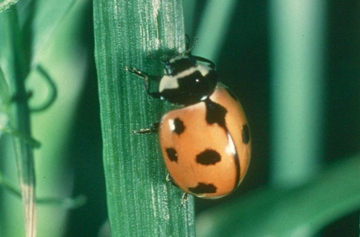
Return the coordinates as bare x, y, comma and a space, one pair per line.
6, 4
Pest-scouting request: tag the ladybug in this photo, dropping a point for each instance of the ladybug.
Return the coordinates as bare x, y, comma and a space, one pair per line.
206, 142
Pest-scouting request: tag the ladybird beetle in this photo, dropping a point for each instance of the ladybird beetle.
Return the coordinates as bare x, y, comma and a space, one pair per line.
205, 143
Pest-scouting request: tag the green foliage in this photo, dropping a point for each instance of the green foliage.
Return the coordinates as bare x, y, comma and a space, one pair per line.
296, 211
25, 40
47, 66
18, 114
140, 201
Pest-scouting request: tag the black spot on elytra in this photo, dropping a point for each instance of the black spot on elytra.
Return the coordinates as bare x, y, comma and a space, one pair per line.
172, 154
203, 188
245, 134
215, 113
208, 157
231, 93
179, 126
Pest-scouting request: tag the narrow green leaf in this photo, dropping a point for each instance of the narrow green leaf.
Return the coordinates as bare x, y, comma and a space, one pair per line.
4, 102
15, 66
4, 93
66, 61
39, 21
216, 27
136, 34
289, 212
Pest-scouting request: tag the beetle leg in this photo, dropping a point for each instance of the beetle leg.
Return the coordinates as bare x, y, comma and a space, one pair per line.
147, 78
171, 180
153, 129
184, 199
141, 74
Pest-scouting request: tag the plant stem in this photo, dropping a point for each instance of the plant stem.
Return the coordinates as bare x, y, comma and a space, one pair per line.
20, 118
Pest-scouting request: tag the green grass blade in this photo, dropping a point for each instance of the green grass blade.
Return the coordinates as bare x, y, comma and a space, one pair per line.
297, 90
66, 61
4, 93
24, 38
289, 212
214, 25
134, 33
40, 20
19, 117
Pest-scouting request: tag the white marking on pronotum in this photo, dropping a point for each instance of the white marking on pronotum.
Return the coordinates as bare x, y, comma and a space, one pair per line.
168, 82
171, 82
204, 70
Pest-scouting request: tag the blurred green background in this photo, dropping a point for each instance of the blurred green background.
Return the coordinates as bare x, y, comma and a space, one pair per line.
295, 66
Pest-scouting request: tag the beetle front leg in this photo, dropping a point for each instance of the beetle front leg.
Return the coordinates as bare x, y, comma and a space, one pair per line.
147, 78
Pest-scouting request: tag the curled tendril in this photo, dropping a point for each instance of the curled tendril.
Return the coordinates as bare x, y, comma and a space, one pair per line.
5, 125
52, 91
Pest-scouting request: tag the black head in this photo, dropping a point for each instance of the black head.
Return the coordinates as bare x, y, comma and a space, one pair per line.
187, 81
